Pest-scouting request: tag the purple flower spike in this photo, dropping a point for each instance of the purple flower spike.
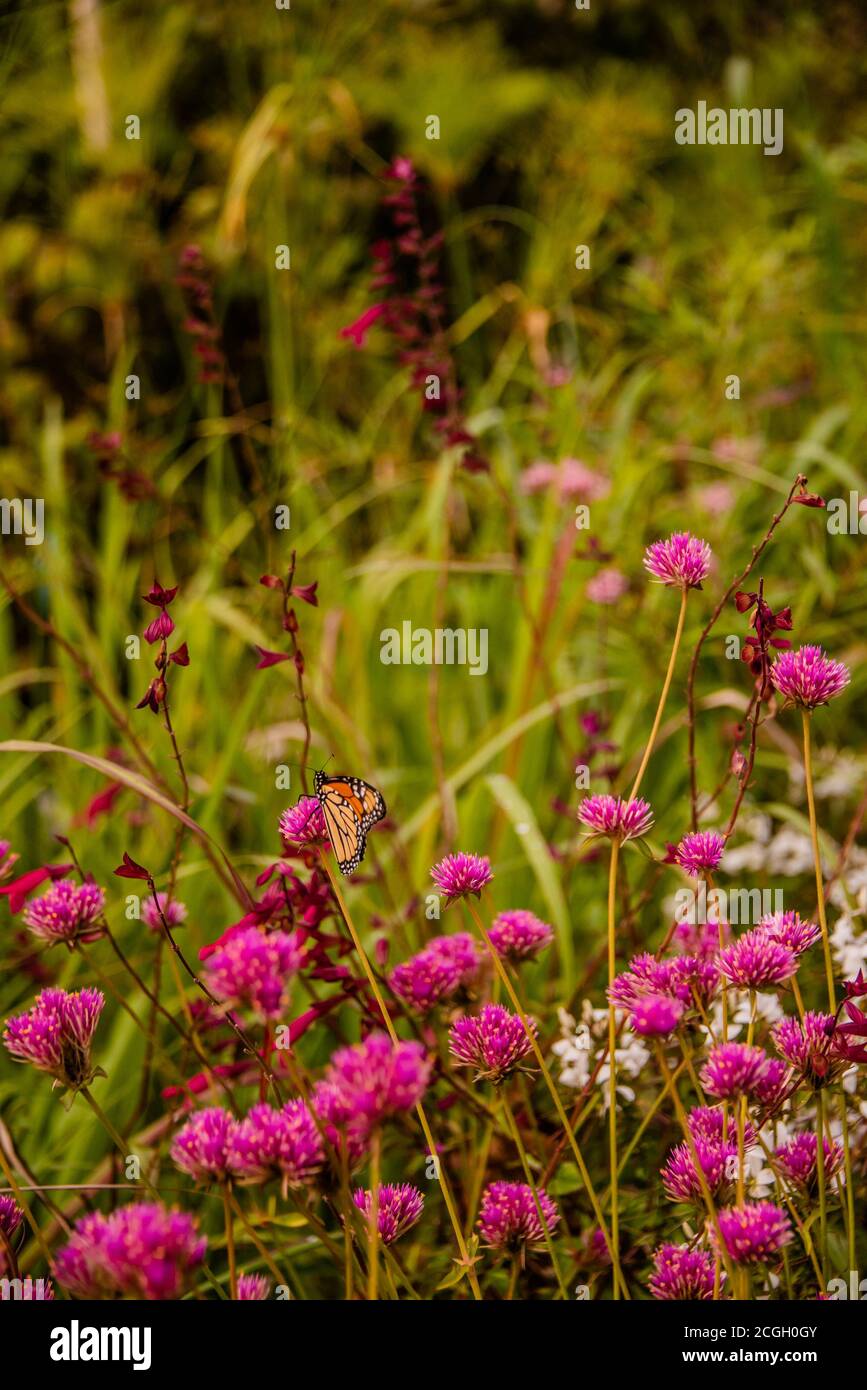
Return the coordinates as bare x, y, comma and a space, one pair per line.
56, 1035
700, 853
508, 1219
755, 961
682, 561
808, 678
200, 1148
67, 912
494, 1042
755, 1232
400, 1207
519, 935
616, 818
681, 1274
462, 875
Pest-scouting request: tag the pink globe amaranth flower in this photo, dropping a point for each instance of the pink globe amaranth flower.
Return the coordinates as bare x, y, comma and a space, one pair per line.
56, 1035
172, 909
253, 969
754, 1233
519, 935
461, 875
796, 1159
710, 1123
682, 561
493, 1041
734, 1069
694, 979
807, 677
284, 1144
10, 1220
755, 961
607, 586
201, 1147
700, 938
344, 1128
400, 1207
508, 1218
655, 1015
679, 1175
378, 1078
790, 930
140, 1251
26, 1290
615, 817
253, 1288
812, 1047
700, 852
304, 823
646, 975
683, 1275
66, 912
445, 965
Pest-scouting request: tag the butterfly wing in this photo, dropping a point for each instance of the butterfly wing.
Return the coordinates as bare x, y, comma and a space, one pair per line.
350, 807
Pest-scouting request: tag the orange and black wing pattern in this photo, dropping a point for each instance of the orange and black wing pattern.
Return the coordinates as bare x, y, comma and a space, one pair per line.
350, 807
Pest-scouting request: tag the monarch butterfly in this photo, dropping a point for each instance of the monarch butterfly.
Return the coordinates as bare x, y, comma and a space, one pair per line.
350, 807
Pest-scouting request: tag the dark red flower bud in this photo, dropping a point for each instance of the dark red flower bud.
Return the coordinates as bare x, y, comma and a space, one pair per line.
306, 592
158, 596
744, 602
162, 626
181, 656
810, 499
271, 581
267, 658
130, 869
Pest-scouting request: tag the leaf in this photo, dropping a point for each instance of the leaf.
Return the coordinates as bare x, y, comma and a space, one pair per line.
535, 848
137, 783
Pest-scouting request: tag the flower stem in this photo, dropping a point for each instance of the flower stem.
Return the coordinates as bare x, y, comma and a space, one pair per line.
820, 1178
230, 1241
419, 1109
555, 1096
663, 697
849, 1205
817, 862
672, 1090
612, 1056
525, 1164
373, 1218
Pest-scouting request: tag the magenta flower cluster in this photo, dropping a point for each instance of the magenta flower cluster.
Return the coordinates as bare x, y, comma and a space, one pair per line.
139, 1251
56, 1035
614, 817
509, 1216
446, 965
252, 969
67, 912
493, 1041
